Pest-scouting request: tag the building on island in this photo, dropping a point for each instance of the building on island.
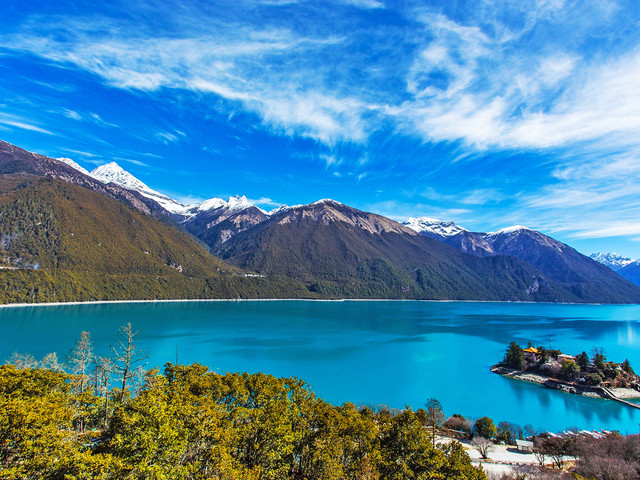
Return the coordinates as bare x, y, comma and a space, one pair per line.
563, 357
531, 354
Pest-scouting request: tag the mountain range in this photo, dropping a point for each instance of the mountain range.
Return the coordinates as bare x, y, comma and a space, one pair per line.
628, 268
325, 249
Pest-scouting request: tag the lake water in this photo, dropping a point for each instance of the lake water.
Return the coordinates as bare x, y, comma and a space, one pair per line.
395, 353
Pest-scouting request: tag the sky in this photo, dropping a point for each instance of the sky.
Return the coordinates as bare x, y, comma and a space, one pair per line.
487, 113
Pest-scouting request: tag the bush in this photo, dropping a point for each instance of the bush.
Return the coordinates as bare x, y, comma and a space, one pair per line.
593, 379
570, 370
459, 423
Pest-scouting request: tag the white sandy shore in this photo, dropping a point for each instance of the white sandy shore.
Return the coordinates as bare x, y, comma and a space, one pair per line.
101, 302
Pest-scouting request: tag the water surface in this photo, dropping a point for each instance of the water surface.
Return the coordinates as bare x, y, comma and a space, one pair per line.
395, 353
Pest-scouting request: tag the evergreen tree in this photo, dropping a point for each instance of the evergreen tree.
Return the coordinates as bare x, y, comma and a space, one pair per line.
583, 361
514, 357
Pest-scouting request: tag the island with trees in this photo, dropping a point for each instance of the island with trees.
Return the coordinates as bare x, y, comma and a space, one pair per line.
593, 376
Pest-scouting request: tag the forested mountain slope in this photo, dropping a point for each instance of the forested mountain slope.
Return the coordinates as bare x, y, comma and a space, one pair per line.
340, 251
62, 242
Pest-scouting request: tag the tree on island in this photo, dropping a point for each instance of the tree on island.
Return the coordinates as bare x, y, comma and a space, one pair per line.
626, 366
570, 370
514, 358
583, 361
598, 358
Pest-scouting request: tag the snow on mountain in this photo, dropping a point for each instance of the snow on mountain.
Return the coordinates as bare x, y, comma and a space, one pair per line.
508, 230
114, 173
73, 164
283, 208
237, 203
433, 226
326, 200
612, 260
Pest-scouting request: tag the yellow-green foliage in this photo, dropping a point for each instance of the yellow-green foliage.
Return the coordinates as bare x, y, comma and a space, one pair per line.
91, 247
190, 423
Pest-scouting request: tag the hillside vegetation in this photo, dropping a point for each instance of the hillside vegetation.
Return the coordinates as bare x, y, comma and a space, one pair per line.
62, 242
190, 423
338, 251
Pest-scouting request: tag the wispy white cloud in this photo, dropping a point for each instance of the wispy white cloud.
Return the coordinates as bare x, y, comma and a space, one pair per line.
171, 137
88, 117
553, 76
23, 125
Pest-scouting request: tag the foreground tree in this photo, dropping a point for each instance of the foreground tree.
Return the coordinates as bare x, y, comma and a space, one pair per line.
36, 435
127, 356
193, 424
483, 445
484, 427
80, 359
435, 416
508, 432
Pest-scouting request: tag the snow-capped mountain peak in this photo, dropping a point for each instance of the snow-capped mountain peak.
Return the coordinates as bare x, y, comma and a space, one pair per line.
237, 203
234, 204
73, 164
433, 226
326, 200
114, 173
612, 260
509, 230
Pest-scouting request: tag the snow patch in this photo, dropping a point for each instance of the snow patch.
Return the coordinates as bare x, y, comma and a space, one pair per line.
612, 260
73, 164
283, 208
114, 173
428, 225
513, 229
326, 200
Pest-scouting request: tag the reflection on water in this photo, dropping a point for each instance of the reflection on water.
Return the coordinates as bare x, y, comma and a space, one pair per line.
393, 353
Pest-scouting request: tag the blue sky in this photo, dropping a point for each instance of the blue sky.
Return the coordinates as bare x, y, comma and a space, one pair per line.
487, 113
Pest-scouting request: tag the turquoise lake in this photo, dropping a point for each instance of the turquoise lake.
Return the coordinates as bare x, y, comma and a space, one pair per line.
394, 353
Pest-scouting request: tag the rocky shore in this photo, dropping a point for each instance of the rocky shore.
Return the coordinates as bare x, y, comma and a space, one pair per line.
619, 394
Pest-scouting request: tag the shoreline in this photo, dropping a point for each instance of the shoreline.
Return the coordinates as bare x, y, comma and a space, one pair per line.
176, 300
617, 394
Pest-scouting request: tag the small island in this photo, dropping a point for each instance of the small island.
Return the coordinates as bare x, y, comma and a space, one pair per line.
580, 374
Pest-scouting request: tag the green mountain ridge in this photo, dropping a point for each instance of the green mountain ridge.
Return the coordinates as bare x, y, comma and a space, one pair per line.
62, 242
339, 251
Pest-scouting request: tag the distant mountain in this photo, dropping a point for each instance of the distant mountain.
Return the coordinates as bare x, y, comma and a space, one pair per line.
582, 276
215, 226
213, 221
114, 173
62, 242
631, 272
612, 260
578, 273
333, 249
339, 251
433, 227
